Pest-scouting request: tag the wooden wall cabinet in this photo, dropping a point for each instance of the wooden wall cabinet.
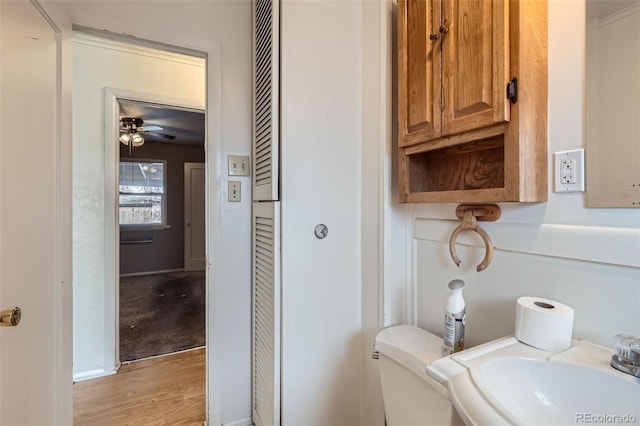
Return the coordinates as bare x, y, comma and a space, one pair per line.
460, 136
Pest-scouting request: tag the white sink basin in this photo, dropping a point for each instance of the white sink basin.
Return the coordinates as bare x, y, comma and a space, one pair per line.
508, 382
547, 391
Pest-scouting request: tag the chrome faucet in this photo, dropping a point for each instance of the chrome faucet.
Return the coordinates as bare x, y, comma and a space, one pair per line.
627, 356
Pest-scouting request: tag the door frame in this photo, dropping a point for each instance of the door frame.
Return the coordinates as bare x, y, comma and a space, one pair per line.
112, 225
211, 51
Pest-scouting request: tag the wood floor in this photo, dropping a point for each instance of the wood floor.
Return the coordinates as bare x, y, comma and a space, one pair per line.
168, 390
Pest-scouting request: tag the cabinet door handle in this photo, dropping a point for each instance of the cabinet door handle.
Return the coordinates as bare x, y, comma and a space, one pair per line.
433, 36
443, 28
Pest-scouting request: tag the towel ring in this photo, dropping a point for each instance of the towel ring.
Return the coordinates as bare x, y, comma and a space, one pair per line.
469, 223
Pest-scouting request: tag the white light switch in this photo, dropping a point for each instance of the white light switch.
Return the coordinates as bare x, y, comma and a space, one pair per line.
234, 191
238, 165
569, 173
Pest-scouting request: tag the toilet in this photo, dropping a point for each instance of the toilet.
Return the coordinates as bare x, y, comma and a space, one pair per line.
411, 397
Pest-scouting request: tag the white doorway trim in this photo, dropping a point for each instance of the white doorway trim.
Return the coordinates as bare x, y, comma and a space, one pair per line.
213, 212
112, 229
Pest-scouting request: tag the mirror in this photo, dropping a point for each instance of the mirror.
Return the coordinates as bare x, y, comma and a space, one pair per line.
613, 103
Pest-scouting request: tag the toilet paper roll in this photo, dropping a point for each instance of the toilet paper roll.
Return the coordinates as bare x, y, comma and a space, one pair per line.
544, 323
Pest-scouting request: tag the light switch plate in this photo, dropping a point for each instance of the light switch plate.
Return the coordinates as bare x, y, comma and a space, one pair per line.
234, 191
238, 165
569, 171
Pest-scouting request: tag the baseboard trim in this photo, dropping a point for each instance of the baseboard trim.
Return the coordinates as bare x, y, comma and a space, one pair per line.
92, 374
241, 422
140, 274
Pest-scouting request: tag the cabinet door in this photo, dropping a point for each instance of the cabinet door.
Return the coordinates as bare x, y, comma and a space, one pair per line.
475, 63
418, 71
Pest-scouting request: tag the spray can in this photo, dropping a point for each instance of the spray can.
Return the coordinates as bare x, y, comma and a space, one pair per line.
454, 319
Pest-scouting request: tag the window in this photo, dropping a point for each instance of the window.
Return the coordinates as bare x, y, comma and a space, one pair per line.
142, 193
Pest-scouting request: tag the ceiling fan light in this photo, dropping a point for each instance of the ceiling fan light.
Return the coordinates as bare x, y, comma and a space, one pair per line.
124, 138
137, 140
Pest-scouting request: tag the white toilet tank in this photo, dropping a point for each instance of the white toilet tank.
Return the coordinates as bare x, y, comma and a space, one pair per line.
411, 397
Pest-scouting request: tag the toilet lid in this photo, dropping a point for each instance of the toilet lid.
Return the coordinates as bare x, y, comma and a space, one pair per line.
409, 346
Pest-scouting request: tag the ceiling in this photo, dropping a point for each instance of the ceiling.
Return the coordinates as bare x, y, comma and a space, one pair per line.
187, 125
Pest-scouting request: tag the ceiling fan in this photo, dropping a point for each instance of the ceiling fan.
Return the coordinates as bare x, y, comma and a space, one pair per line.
131, 129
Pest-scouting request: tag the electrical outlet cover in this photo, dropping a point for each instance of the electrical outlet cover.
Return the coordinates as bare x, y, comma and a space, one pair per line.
569, 171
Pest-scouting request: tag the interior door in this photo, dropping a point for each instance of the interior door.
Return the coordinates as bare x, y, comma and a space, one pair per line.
194, 232
30, 263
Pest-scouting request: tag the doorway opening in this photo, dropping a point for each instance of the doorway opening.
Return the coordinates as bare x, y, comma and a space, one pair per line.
140, 281
161, 203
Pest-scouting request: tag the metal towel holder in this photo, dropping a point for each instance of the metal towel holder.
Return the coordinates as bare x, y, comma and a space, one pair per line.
470, 214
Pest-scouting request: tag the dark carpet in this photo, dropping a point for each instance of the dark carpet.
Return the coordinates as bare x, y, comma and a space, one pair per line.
161, 313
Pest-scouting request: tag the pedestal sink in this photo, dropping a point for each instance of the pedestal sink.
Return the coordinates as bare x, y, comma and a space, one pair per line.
508, 382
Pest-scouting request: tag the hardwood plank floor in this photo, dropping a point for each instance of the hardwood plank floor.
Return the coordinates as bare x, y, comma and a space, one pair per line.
168, 390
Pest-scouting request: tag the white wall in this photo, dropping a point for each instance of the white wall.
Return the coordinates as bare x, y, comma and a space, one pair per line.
98, 65
222, 29
586, 258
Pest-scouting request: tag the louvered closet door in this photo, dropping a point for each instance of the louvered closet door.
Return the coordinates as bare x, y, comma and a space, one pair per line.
266, 314
266, 112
